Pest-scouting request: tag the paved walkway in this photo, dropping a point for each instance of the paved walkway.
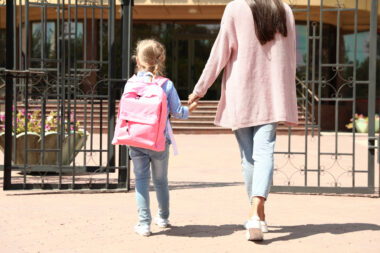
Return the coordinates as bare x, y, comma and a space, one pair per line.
208, 206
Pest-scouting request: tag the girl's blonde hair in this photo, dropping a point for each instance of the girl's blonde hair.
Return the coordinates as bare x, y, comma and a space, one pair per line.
152, 56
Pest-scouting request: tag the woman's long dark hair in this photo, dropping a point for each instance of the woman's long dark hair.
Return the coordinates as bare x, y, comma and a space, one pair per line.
269, 18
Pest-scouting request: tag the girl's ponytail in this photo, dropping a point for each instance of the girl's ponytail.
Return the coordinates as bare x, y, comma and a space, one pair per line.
159, 67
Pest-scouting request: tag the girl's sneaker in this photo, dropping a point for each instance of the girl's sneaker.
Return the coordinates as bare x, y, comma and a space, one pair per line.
264, 226
162, 223
254, 232
143, 230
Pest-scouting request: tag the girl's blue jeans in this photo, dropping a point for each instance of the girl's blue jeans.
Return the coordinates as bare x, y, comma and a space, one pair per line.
256, 148
143, 160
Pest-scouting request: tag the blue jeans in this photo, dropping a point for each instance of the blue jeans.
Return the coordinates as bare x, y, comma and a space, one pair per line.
142, 160
256, 148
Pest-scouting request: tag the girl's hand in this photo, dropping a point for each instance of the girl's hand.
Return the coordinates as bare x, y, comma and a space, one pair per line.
193, 106
193, 98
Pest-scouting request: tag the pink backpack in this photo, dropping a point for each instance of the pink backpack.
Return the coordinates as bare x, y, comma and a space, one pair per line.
142, 115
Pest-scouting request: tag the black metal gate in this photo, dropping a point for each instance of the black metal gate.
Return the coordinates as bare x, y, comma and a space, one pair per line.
61, 84
61, 65
335, 82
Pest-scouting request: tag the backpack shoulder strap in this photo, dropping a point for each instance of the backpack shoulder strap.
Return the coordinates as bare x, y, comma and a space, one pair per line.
129, 84
134, 78
159, 80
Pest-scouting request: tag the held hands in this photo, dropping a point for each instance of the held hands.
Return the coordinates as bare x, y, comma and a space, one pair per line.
193, 106
193, 98
193, 102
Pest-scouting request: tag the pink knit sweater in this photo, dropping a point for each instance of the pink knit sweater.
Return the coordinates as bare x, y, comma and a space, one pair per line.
258, 84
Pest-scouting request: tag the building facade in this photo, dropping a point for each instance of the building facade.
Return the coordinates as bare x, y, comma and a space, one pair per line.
187, 28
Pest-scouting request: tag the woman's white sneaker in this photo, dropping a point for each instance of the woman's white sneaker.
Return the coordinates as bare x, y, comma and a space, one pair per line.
162, 223
142, 230
254, 232
264, 226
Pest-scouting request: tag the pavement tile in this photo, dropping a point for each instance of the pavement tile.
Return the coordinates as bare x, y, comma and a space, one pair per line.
208, 208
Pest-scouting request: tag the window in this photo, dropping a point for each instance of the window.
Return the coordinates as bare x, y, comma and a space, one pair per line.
301, 32
45, 47
41, 48
362, 59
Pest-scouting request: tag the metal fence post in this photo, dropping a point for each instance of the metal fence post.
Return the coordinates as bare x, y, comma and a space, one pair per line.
372, 94
111, 82
125, 66
8, 96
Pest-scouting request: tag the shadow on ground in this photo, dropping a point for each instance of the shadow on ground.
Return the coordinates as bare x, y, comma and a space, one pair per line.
302, 231
201, 230
181, 185
292, 232
173, 185
176, 185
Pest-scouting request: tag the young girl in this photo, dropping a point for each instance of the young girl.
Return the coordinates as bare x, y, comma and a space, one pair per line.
150, 57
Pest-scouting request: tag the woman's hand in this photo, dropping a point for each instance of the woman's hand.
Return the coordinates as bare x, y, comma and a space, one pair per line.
193, 98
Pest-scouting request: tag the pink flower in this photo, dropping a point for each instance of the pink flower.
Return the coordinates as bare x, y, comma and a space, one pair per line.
47, 127
2, 117
23, 111
72, 119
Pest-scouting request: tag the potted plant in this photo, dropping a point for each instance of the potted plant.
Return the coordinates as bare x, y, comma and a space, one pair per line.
74, 138
361, 123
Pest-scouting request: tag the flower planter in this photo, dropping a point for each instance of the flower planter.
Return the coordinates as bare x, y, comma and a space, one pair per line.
361, 123
361, 126
51, 142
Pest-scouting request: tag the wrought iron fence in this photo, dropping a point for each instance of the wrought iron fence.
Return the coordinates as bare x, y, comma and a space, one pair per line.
60, 94
328, 83
64, 68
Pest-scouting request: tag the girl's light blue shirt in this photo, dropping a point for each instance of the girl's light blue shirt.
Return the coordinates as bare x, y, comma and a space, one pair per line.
175, 107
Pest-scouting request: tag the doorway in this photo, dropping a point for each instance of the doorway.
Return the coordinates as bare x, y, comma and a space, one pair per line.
189, 58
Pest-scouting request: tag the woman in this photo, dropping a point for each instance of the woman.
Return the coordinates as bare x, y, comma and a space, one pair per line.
256, 47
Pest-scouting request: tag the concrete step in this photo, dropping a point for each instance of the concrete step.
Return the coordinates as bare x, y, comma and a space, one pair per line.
206, 108
194, 118
281, 130
189, 123
204, 113
201, 121
210, 121
203, 103
201, 130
